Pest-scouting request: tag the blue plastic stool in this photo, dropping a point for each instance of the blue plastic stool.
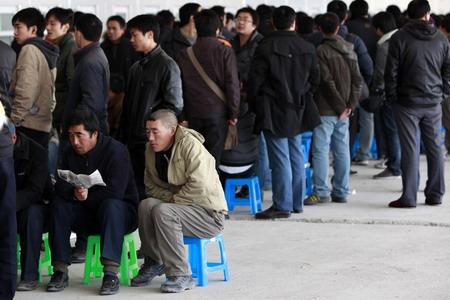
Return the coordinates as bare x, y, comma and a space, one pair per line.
254, 200
197, 258
309, 181
306, 143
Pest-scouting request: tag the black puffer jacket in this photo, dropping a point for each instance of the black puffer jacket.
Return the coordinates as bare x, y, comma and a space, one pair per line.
418, 66
112, 160
7, 65
154, 82
283, 77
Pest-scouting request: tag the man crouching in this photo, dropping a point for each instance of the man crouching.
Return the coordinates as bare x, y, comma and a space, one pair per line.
185, 198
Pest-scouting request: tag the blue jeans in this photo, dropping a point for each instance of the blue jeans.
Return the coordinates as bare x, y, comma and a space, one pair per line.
332, 133
365, 134
288, 171
262, 166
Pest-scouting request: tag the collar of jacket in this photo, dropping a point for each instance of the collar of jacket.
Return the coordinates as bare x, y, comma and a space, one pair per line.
179, 37
83, 51
386, 37
156, 51
95, 152
64, 40
236, 42
208, 40
343, 30
283, 33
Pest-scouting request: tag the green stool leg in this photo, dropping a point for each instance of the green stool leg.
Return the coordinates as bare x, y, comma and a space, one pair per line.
92, 264
128, 260
18, 253
46, 260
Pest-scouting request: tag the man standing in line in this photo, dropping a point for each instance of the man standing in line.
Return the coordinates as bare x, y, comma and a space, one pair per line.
417, 79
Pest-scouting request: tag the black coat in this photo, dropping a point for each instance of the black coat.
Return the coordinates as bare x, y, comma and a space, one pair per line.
112, 160
154, 82
7, 65
90, 83
121, 57
30, 166
364, 29
175, 42
418, 66
283, 78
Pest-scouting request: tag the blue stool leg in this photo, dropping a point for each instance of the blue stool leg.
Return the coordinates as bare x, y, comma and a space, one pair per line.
202, 278
223, 259
252, 197
229, 194
258, 194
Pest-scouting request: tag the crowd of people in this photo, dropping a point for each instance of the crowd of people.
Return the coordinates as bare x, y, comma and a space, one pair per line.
166, 111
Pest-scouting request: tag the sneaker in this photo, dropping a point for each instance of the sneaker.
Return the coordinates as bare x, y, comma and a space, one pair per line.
386, 173
147, 272
360, 162
337, 199
353, 172
110, 285
78, 256
272, 213
177, 284
381, 164
314, 199
27, 285
58, 282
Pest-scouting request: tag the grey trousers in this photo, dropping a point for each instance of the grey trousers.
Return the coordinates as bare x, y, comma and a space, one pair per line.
162, 226
413, 124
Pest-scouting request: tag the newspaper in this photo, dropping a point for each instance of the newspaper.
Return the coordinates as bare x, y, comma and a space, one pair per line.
81, 180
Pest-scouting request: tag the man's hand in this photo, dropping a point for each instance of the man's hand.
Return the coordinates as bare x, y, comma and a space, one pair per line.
345, 114
80, 193
232, 122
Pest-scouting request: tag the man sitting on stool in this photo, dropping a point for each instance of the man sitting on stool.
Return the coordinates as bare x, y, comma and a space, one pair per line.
110, 210
184, 198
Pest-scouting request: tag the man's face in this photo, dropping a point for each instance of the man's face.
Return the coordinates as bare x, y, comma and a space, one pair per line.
140, 41
23, 33
160, 138
114, 31
82, 141
55, 29
244, 23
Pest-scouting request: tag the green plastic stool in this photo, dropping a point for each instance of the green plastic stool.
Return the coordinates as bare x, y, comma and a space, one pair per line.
128, 260
45, 261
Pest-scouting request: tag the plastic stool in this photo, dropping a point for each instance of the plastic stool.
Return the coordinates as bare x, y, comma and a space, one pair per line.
306, 143
44, 261
197, 258
128, 259
308, 180
254, 200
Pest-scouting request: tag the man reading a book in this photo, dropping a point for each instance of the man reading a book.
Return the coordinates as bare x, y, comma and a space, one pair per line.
109, 211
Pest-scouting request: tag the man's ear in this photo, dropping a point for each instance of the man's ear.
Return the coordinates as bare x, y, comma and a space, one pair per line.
33, 29
150, 35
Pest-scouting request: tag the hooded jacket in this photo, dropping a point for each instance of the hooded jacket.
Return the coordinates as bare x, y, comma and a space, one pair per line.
34, 85
341, 82
377, 86
192, 176
174, 43
418, 66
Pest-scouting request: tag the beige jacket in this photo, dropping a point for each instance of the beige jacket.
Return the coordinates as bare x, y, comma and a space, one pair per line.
34, 86
191, 174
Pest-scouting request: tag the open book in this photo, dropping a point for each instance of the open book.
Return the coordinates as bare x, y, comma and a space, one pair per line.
81, 180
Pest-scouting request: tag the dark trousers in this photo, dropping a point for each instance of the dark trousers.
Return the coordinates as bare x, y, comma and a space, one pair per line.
392, 141
8, 229
30, 226
40, 137
214, 130
112, 220
379, 134
414, 123
137, 157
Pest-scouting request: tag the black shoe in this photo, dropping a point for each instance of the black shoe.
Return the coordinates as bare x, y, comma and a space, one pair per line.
314, 199
353, 172
177, 284
272, 213
433, 202
147, 272
400, 204
78, 256
58, 282
337, 199
110, 285
386, 173
27, 285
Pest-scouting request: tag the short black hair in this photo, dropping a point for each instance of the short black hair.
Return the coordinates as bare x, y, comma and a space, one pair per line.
145, 23
31, 17
395, 11
265, 11
446, 23
220, 11
283, 17
329, 22
418, 9
118, 19
229, 16
207, 22
90, 26
82, 115
165, 18
384, 21
359, 9
305, 24
252, 12
186, 11
63, 15
339, 8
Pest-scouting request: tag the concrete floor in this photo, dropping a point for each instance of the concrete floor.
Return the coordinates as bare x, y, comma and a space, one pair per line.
358, 250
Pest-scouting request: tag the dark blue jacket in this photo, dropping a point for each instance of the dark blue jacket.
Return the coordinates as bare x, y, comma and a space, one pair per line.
90, 83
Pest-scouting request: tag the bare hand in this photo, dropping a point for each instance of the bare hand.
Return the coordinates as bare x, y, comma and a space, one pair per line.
80, 193
233, 122
345, 114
